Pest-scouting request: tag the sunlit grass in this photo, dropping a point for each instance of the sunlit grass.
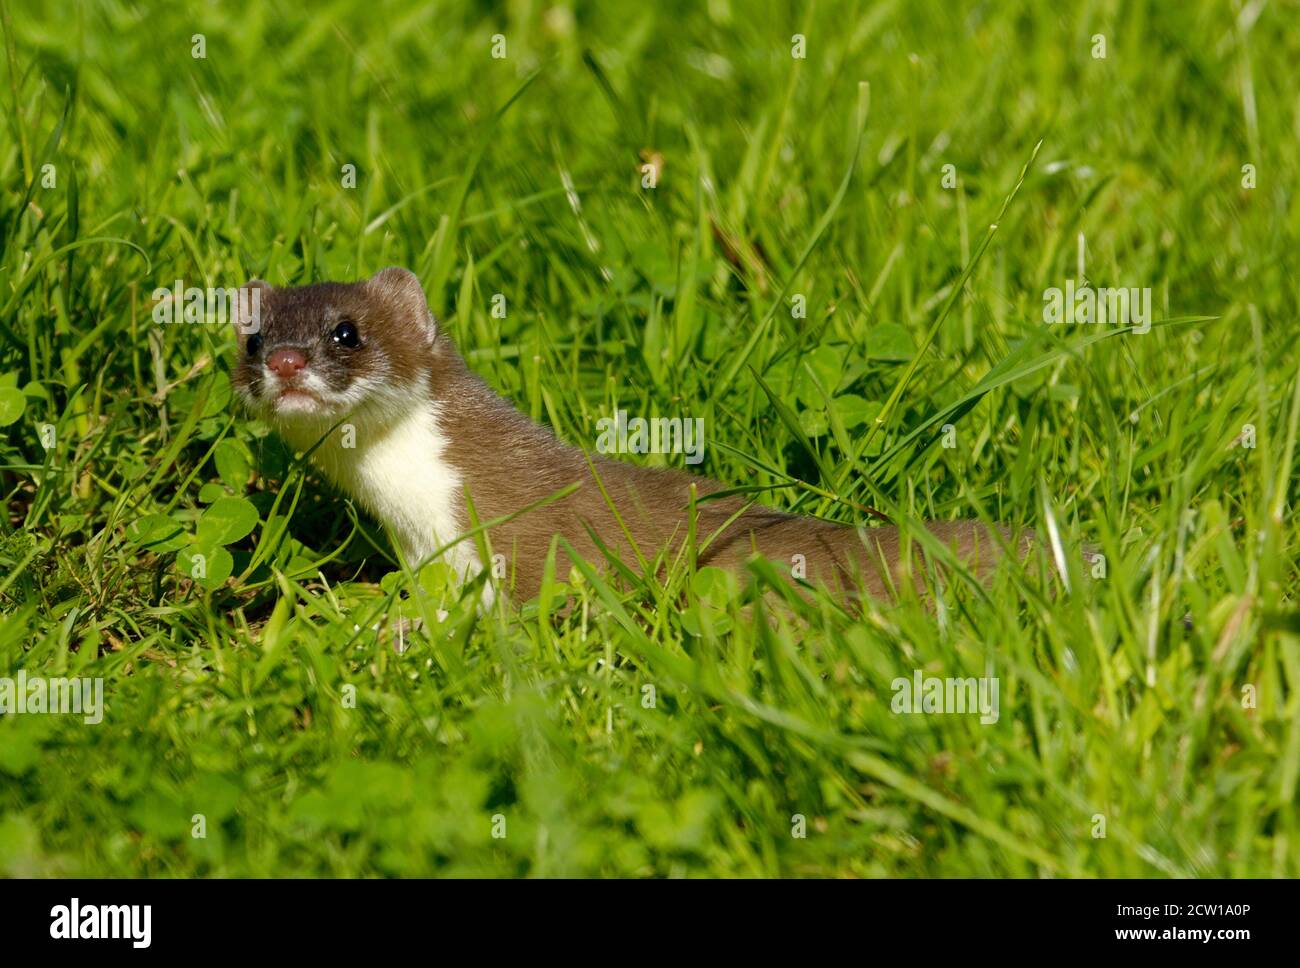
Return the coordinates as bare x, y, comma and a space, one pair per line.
682, 727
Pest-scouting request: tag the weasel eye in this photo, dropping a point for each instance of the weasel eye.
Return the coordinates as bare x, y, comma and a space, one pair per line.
345, 334
254, 344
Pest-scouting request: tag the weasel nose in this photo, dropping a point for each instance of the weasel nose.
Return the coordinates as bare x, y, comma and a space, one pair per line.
285, 362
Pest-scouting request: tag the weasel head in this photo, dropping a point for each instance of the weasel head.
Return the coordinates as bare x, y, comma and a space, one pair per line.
309, 356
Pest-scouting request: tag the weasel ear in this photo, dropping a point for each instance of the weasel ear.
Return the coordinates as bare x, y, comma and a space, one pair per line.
249, 306
402, 289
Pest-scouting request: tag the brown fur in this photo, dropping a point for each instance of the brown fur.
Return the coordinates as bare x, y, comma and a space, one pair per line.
507, 462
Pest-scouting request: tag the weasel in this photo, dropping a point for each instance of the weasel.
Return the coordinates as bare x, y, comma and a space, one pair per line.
426, 430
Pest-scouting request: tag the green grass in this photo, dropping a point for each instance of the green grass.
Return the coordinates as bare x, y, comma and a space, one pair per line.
1121, 697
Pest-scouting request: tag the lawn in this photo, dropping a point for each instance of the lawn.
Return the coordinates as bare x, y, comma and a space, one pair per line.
835, 232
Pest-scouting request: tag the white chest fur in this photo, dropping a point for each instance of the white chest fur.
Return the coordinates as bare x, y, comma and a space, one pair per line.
398, 472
